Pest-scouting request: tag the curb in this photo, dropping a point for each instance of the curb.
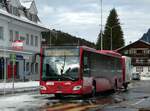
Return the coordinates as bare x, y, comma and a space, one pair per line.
18, 90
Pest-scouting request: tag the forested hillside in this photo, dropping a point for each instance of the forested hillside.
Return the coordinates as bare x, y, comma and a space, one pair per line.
54, 37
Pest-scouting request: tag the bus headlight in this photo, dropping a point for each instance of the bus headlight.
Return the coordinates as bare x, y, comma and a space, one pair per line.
42, 88
77, 88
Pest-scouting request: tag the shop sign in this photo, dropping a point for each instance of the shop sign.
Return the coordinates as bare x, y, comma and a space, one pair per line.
19, 57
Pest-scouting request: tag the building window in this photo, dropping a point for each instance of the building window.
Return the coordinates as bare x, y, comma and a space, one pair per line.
32, 68
27, 66
132, 51
34, 18
22, 38
10, 9
148, 68
148, 61
126, 52
1, 33
30, 16
31, 42
1, 1
148, 51
139, 51
16, 35
27, 39
36, 68
139, 69
137, 61
141, 61
15, 11
36, 41
11, 35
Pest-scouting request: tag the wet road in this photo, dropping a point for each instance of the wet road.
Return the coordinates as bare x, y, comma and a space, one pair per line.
137, 98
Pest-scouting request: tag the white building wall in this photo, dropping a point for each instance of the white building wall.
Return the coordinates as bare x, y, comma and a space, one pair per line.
4, 24
144, 72
22, 32
23, 29
23, 24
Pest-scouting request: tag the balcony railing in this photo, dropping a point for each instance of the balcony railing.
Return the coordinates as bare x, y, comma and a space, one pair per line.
138, 55
140, 63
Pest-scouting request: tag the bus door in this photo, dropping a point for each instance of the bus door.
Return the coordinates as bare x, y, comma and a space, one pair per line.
87, 80
86, 65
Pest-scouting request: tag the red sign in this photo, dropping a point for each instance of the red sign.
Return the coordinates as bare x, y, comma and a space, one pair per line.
18, 45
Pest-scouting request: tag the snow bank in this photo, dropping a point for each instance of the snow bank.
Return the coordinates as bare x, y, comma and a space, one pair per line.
19, 84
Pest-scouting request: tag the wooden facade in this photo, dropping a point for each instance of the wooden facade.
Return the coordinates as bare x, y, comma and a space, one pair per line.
139, 52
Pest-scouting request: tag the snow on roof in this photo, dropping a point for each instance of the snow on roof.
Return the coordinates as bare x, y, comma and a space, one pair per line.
147, 43
23, 19
26, 3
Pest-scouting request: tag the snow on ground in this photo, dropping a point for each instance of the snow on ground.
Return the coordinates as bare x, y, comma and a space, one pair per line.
19, 84
145, 78
22, 102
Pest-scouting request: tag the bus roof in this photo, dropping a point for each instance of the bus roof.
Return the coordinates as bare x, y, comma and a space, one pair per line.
109, 53
103, 52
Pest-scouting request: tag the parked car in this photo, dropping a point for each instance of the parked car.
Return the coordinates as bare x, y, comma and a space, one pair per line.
136, 76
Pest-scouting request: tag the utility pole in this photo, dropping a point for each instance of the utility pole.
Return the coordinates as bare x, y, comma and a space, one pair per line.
101, 27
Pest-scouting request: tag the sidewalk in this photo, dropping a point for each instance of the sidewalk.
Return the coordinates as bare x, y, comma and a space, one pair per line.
19, 87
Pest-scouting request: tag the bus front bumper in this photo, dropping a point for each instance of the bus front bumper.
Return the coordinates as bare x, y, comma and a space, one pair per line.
61, 88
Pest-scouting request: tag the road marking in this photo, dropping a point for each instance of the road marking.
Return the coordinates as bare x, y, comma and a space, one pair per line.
82, 108
63, 107
70, 107
138, 102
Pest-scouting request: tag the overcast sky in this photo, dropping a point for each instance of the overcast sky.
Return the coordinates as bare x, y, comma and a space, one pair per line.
82, 17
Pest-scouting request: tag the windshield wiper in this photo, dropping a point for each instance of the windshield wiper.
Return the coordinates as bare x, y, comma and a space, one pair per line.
62, 70
67, 77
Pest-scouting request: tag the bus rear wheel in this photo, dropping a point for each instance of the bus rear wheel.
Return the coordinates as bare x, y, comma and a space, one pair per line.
116, 85
125, 85
93, 91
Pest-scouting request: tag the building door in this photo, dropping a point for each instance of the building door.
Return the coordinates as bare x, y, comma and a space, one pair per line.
1, 68
21, 69
17, 70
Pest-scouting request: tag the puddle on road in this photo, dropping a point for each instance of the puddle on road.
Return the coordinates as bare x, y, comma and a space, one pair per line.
71, 104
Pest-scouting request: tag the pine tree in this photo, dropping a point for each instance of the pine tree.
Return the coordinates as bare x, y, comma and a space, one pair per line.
98, 43
113, 32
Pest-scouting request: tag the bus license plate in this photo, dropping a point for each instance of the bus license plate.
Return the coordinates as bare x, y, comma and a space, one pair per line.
50, 83
58, 91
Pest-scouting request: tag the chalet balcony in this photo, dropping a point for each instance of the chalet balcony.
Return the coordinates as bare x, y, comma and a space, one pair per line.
138, 55
140, 63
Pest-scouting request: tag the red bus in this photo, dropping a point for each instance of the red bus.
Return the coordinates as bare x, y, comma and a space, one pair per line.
80, 70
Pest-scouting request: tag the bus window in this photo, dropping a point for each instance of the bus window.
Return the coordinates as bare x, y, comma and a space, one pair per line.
86, 65
60, 64
72, 71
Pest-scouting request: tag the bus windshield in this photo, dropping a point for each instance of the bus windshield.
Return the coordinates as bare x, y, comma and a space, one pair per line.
61, 64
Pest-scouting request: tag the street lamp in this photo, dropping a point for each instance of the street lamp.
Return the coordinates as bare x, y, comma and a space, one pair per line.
111, 28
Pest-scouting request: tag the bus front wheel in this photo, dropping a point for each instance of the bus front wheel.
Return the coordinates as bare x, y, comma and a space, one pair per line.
58, 96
